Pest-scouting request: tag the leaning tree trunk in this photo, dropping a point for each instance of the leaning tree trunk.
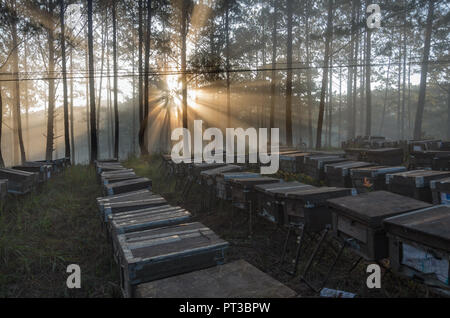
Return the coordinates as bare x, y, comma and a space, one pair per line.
116, 102
289, 75
2, 163
424, 73
64, 74
329, 31
91, 85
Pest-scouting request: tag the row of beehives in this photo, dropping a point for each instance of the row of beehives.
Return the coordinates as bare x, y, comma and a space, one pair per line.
430, 154
23, 179
161, 252
413, 234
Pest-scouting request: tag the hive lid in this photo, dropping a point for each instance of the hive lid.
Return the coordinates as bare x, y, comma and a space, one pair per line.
371, 208
282, 188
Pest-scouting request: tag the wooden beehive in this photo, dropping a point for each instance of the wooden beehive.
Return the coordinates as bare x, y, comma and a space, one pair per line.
118, 177
19, 182
338, 174
223, 182
386, 156
293, 162
197, 168
441, 162
137, 204
112, 166
125, 197
309, 208
150, 255
356, 154
372, 178
42, 171
243, 190
440, 190
209, 176
358, 220
47, 168
237, 279
128, 186
270, 199
3, 189
315, 165
419, 245
415, 183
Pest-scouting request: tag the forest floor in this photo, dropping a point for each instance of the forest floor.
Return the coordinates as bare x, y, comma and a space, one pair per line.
263, 250
55, 226
58, 225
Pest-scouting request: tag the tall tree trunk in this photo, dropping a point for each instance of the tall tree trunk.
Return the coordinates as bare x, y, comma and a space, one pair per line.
399, 93
330, 99
368, 88
51, 96
340, 107
274, 65
27, 98
309, 78
88, 125
350, 119
72, 137
109, 100
289, 75
383, 115
329, 34
116, 102
140, 70
133, 136
2, 162
102, 64
448, 115
183, 63
227, 39
17, 115
64, 73
144, 126
91, 85
424, 73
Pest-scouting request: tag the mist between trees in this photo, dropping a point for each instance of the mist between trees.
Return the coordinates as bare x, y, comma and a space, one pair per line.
96, 79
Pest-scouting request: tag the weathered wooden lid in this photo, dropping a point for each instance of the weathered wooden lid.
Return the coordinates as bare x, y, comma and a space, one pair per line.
319, 194
250, 182
216, 171
244, 174
421, 178
442, 185
374, 171
237, 279
430, 226
282, 188
371, 208
343, 167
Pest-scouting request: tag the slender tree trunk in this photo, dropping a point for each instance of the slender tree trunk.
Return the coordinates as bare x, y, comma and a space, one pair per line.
227, 31
183, 63
274, 65
102, 63
329, 35
51, 96
91, 85
2, 162
27, 98
340, 107
116, 102
448, 115
133, 136
368, 88
399, 94
309, 78
88, 127
18, 120
144, 126
64, 73
72, 137
350, 123
140, 70
109, 100
289, 74
424, 73
383, 116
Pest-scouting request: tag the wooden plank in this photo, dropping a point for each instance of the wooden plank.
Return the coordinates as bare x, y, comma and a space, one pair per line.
124, 197
154, 254
128, 186
238, 279
124, 206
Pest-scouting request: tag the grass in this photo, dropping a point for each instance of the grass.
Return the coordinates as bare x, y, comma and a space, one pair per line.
44, 232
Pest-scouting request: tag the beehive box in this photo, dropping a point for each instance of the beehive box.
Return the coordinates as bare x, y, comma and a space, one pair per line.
243, 190
309, 207
48, 168
372, 178
424, 145
209, 176
43, 171
419, 245
315, 165
415, 183
356, 154
112, 166
441, 162
426, 159
358, 220
440, 190
118, 177
293, 162
19, 182
270, 199
338, 174
386, 156
3, 189
129, 196
150, 255
128, 186
138, 204
237, 279
223, 182
108, 174
197, 168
